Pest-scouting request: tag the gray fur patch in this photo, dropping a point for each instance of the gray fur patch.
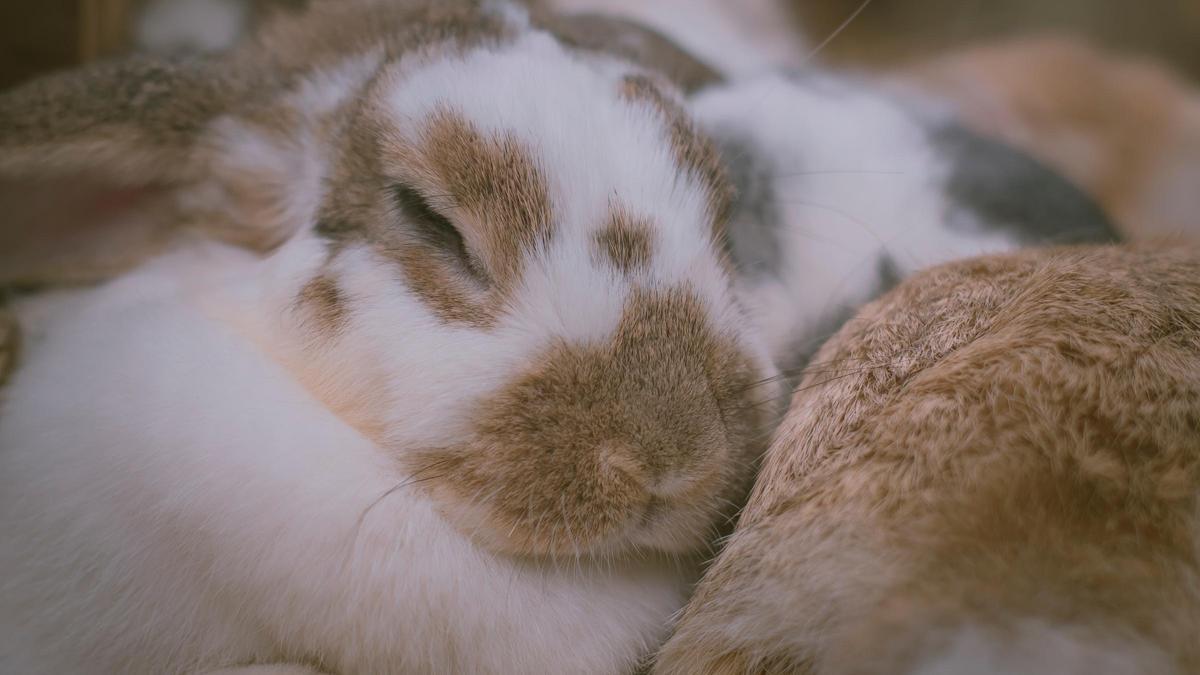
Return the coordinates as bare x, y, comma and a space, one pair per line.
890, 275
752, 236
1005, 189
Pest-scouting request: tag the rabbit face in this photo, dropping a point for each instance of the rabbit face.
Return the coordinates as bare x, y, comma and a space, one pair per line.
521, 297
496, 255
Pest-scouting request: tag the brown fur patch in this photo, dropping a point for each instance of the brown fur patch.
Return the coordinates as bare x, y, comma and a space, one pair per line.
496, 184
1008, 438
325, 302
694, 151
646, 437
626, 242
490, 188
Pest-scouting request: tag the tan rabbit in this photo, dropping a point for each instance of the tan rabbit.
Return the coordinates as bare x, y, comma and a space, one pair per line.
992, 469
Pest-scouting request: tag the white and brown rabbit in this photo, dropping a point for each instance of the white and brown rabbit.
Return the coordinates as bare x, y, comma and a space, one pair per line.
992, 469
472, 411
843, 189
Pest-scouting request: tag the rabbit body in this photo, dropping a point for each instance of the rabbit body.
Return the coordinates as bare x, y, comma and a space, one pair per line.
992, 469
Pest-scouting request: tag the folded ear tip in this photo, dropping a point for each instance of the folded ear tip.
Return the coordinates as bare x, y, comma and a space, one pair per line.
78, 227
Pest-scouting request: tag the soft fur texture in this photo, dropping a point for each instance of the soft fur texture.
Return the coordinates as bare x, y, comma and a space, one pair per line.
1126, 130
843, 190
993, 469
445, 375
428, 351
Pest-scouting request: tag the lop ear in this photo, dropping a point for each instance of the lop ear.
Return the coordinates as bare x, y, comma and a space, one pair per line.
101, 167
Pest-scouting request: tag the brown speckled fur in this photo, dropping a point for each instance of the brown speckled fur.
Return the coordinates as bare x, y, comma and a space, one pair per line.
998, 440
626, 242
493, 186
140, 127
326, 304
595, 438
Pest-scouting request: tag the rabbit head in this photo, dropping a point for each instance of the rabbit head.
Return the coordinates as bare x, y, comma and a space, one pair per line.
495, 255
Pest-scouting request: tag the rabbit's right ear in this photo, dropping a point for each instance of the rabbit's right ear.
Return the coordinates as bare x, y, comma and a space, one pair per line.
102, 166
632, 41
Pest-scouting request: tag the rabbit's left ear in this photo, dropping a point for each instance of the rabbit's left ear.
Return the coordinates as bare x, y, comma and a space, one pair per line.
100, 167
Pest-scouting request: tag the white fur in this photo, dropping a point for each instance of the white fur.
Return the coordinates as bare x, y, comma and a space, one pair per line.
172, 496
857, 179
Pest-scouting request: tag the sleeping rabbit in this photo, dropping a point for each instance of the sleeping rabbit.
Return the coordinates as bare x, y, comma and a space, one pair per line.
992, 469
430, 337
845, 188
416, 350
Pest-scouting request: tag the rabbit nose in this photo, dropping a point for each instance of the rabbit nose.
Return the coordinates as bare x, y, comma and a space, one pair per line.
592, 440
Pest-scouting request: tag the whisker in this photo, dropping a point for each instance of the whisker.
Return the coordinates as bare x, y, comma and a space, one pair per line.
407, 482
836, 32
839, 172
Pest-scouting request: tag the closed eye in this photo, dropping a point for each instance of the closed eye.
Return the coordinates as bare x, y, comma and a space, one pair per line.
437, 231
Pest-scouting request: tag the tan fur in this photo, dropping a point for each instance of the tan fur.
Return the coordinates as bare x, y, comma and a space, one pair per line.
326, 303
593, 440
492, 185
998, 440
645, 439
626, 242
1126, 130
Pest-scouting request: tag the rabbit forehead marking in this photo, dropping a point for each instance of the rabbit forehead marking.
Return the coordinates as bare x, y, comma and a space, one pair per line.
496, 194
625, 242
325, 303
494, 187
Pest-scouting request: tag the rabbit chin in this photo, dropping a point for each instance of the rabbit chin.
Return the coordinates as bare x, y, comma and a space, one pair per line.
635, 520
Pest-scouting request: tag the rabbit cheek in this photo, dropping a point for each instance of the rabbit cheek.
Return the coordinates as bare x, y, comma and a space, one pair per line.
638, 442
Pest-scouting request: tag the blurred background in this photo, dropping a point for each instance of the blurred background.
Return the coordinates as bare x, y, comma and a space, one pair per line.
890, 33
50, 34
